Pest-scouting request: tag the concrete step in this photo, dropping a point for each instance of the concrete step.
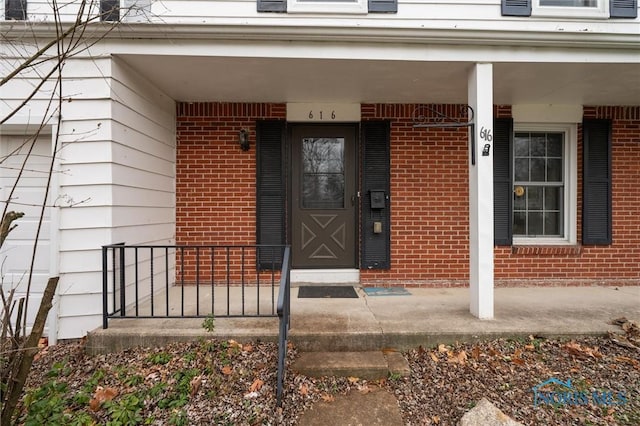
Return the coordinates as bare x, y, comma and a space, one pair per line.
371, 365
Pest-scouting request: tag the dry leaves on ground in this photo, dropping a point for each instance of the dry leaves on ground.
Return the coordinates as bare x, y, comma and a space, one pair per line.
227, 382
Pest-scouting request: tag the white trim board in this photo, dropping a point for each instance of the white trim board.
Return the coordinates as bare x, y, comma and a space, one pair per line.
325, 276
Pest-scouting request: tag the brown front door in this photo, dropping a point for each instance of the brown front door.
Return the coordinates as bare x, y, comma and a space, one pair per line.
324, 196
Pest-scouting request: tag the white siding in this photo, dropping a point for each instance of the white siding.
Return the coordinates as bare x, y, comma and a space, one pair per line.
417, 14
28, 197
119, 160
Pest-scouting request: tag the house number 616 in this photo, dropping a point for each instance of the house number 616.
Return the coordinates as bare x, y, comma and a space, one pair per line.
486, 134
322, 115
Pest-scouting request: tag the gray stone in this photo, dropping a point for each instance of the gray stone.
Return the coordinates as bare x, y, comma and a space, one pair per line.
376, 407
364, 365
398, 364
486, 414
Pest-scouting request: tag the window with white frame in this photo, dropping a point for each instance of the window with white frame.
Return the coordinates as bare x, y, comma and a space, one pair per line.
327, 6
571, 8
544, 184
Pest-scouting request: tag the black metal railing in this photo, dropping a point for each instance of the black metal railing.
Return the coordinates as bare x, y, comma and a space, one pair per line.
284, 315
194, 281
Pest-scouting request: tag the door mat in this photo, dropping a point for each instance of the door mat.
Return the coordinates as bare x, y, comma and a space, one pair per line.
386, 291
327, 291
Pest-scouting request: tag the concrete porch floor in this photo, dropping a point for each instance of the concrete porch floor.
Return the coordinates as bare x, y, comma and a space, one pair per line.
425, 317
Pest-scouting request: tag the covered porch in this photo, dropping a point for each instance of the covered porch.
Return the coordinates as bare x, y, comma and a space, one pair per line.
423, 316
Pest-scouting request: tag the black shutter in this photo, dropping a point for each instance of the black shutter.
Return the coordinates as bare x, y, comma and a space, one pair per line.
376, 247
502, 181
270, 191
596, 182
15, 9
110, 10
516, 7
623, 8
383, 6
272, 6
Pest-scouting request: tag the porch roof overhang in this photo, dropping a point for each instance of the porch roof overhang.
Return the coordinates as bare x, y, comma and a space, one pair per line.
250, 79
245, 63
255, 60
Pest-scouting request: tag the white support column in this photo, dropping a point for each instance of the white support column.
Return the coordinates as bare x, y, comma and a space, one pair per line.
480, 95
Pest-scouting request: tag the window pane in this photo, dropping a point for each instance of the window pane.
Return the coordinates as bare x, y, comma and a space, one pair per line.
534, 198
519, 223
538, 145
521, 144
552, 198
539, 166
569, 3
554, 145
537, 170
323, 173
323, 155
554, 170
521, 170
323, 191
552, 223
535, 224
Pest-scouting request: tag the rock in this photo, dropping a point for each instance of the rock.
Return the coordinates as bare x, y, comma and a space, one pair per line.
486, 414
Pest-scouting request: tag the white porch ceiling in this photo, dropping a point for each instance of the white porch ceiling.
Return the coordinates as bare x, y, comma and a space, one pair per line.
235, 79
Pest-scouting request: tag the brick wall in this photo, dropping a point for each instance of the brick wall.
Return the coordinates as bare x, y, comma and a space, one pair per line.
618, 264
215, 196
429, 201
215, 183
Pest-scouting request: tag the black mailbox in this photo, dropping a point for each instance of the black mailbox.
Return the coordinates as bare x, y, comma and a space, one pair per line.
377, 199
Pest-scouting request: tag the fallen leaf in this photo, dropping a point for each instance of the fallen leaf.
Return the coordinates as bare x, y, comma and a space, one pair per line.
518, 361
256, 385
227, 369
102, 395
475, 353
530, 347
233, 345
365, 390
434, 357
435, 419
630, 327
94, 405
577, 350
328, 398
459, 358
628, 360
247, 348
303, 389
195, 385
353, 379
442, 348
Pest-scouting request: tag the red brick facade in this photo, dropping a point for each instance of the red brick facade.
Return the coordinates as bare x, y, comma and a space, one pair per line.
215, 198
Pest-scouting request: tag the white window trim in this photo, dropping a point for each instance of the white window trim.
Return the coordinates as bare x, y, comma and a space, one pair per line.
600, 12
570, 186
313, 6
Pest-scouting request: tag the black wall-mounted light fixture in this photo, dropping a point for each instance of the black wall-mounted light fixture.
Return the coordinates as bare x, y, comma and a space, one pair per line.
243, 139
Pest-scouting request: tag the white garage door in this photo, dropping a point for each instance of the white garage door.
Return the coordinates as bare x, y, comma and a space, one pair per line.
27, 197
